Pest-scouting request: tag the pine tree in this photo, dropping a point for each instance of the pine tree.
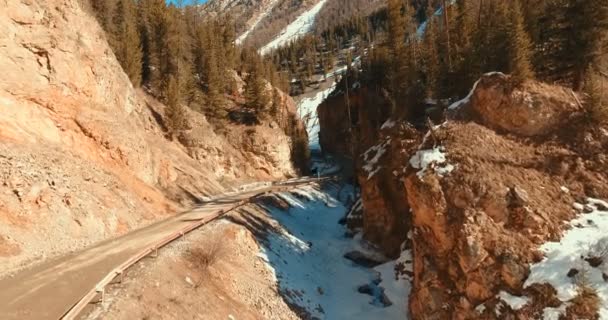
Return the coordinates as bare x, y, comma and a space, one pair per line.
499, 25
590, 20
256, 97
127, 41
153, 29
396, 27
396, 39
465, 69
431, 55
175, 113
104, 13
571, 35
596, 100
275, 111
520, 47
446, 33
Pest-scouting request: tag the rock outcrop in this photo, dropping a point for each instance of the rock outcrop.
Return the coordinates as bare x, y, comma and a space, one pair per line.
480, 194
477, 228
380, 147
530, 110
84, 156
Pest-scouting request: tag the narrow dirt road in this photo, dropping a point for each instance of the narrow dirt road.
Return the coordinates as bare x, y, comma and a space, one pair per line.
51, 289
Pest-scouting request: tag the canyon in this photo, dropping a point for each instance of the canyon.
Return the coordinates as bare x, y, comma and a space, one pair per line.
475, 197
332, 203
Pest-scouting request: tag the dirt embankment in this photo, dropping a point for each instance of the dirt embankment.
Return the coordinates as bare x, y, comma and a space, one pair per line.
215, 273
480, 193
84, 156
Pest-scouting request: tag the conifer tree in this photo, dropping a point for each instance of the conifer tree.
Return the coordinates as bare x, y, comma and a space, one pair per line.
570, 35
153, 30
520, 47
590, 23
396, 27
431, 55
396, 39
175, 113
596, 99
104, 12
257, 98
127, 42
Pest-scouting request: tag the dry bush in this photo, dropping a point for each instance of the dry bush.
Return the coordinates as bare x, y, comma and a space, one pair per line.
587, 303
207, 254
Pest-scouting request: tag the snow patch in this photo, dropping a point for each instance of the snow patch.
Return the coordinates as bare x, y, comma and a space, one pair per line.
370, 162
586, 238
299, 27
554, 313
387, 124
431, 157
514, 302
460, 103
397, 285
307, 111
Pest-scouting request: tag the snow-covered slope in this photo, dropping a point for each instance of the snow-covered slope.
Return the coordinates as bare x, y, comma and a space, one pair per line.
299, 27
264, 11
306, 254
307, 110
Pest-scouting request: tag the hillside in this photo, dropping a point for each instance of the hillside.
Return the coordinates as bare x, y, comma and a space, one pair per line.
269, 24
304, 159
86, 156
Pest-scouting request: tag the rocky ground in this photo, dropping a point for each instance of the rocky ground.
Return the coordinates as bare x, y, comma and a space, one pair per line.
484, 197
85, 157
215, 273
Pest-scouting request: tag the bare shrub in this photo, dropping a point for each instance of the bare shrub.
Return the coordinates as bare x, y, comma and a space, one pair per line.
207, 254
586, 304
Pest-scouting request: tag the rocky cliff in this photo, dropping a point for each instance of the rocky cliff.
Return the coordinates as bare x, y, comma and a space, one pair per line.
480, 194
84, 156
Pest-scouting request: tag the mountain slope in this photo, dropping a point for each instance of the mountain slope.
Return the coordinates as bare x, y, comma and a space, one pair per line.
268, 24
84, 156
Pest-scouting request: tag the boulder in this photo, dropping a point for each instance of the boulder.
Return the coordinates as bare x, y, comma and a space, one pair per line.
533, 109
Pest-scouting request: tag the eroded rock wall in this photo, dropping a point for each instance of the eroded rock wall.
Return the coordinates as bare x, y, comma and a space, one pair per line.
379, 159
479, 194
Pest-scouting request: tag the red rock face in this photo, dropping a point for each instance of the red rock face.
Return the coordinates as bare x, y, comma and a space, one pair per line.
476, 228
385, 209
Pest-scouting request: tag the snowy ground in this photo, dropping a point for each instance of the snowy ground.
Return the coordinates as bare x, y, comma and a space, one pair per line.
307, 110
299, 27
255, 23
307, 258
587, 238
